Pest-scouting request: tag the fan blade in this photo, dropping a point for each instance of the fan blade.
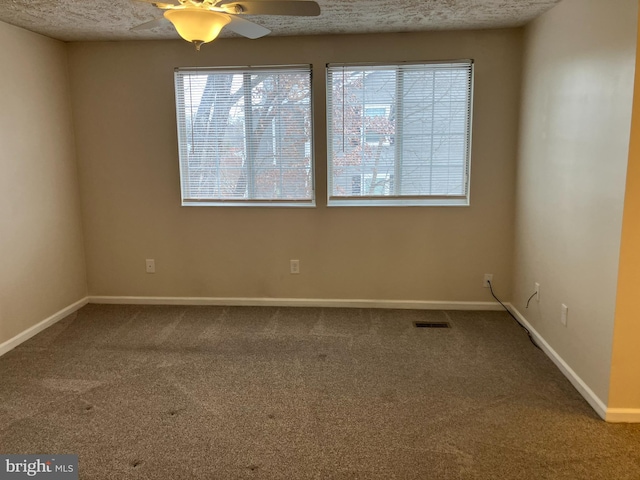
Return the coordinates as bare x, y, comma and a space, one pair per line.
246, 28
161, 4
275, 7
158, 22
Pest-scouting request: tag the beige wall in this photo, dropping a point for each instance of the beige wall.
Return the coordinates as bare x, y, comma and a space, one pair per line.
42, 266
123, 102
576, 113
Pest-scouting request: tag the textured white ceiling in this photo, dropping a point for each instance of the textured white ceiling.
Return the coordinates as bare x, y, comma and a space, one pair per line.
77, 20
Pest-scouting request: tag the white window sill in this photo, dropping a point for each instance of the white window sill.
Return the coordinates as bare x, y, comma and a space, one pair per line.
250, 203
398, 202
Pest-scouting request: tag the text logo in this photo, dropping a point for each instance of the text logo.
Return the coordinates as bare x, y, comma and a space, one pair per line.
49, 467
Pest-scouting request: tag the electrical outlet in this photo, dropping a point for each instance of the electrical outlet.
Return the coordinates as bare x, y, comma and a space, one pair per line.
151, 265
488, 277
537, 287
564, 314
294, 266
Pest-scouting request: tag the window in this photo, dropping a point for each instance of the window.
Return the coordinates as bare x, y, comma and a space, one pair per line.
365, 185
374, 114
244, 136
399, 134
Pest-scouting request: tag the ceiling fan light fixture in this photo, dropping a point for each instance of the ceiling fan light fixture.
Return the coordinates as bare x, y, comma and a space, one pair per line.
197, 25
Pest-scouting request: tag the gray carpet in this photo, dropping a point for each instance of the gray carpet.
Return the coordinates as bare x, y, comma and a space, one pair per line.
144, 392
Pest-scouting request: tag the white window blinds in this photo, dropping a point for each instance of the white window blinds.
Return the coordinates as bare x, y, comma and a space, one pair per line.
245, 135
399, 134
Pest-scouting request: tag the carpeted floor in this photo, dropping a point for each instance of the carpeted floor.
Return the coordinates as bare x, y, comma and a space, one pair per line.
143, 392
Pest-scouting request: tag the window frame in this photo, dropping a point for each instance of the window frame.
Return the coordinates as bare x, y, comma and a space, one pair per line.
398, 200
248, 202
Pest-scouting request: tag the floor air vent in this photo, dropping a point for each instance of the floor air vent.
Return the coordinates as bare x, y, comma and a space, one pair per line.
432, 325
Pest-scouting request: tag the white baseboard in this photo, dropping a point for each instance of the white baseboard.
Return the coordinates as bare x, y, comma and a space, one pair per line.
584, 390
298, 302
38, 327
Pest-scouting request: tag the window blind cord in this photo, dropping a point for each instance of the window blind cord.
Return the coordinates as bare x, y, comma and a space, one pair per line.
193, 144
513, 316
344, 87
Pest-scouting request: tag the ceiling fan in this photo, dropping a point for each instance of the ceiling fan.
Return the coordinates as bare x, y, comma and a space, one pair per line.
200, 21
